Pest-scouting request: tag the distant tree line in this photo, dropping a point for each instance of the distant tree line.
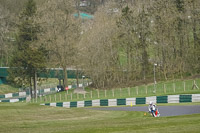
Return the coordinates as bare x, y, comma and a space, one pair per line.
122, 45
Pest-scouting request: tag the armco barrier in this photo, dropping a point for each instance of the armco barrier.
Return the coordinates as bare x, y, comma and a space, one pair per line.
141, 100
162, 99
121, 102
195, 97
14, 100
173, 99
129, 101
148, 99
24, 94
104, 102
185, 98
73, 104
87, 103
27, 93
96, 103
112, 102
80, 104
66, 104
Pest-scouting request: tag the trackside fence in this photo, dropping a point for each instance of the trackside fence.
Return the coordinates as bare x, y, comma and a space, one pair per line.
128, 101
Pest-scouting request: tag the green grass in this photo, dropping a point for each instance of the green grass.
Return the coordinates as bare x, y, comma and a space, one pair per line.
7, 89
44, 84
24, 118
162, 89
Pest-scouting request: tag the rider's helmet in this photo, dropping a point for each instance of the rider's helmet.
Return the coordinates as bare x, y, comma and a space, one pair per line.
150, 103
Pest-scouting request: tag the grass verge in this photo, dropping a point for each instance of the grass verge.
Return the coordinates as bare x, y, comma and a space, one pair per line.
7, 89
23, 118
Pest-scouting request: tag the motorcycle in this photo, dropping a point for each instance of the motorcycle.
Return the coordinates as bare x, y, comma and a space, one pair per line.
154, 112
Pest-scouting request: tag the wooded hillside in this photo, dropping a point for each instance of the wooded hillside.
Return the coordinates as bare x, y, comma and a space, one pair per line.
126, 41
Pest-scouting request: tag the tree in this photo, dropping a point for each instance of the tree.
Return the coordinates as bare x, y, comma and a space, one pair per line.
6, 38
62, 32
3, 30
99, 51
29, 59
135, 33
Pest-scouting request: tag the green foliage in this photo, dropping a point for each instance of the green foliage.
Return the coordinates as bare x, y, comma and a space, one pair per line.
180, 5
29, 57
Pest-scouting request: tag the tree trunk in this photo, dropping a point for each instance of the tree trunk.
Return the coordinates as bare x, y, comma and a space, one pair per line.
31, 88
65, 77
77, 76
35, 85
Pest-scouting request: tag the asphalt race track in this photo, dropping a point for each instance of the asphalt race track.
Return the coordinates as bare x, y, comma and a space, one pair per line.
164, 110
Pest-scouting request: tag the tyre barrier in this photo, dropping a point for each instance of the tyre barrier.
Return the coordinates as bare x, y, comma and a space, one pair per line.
128, 101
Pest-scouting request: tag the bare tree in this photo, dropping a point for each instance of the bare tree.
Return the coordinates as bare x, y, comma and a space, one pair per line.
62, 31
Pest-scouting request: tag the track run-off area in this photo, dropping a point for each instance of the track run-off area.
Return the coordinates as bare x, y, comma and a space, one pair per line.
164, 110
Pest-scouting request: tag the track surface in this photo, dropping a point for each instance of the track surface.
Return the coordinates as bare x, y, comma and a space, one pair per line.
164, 110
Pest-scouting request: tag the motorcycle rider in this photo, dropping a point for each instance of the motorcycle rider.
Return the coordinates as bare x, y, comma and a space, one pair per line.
152, 107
